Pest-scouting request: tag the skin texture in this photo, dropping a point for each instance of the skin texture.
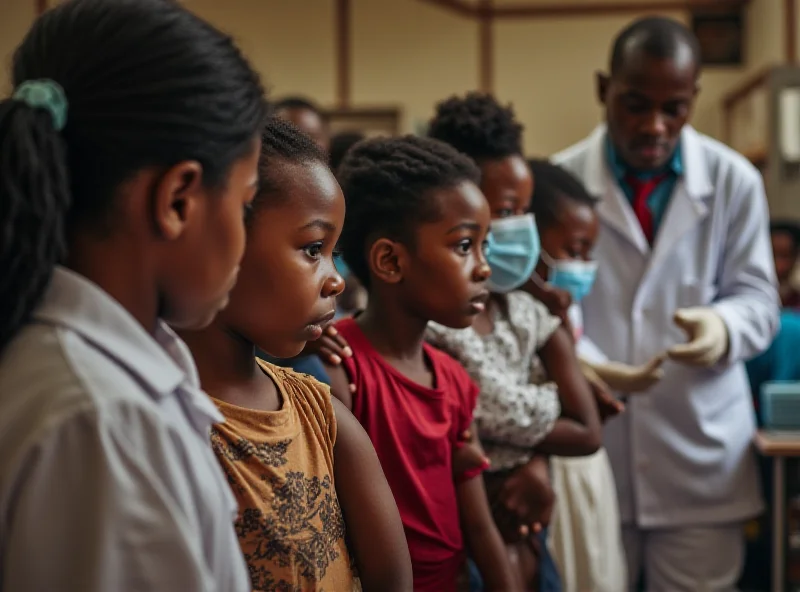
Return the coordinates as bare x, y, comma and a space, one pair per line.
647, 102
441, 277
310, 122
287, 284
180, 240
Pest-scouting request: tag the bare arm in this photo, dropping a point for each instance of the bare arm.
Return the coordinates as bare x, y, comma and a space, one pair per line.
482, 537
340, 384
577, 432
373, 522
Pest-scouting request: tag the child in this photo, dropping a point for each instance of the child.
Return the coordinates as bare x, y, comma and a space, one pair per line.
415, 227
785, 249
292, 454
307, 116
585, 532
129, 155
522, 360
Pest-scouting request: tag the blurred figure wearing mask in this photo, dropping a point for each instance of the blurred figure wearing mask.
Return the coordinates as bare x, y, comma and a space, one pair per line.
687, 269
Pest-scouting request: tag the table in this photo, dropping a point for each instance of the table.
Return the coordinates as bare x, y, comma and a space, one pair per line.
778, 446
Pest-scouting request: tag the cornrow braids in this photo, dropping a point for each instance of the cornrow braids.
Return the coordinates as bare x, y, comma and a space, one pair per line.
147, 84
478, 126
388, 184
553, 186
282, 142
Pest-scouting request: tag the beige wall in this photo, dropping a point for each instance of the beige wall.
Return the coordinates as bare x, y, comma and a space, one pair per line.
410, 54
16, 17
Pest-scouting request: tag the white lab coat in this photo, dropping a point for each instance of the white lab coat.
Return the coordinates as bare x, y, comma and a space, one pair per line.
682, 453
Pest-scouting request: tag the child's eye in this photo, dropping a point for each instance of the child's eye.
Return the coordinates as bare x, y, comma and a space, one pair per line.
464, 247
248, 210
505, 213
313, 250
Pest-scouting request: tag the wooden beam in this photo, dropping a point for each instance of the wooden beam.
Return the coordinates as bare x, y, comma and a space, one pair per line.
751, 83
574, 9
40, 6
343, 53
790, 30
461, 7
486, 47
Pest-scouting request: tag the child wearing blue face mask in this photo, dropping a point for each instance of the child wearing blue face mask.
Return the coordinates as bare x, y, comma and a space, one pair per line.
585, 537
533, 400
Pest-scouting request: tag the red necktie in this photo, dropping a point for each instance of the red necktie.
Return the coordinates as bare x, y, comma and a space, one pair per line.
641, 190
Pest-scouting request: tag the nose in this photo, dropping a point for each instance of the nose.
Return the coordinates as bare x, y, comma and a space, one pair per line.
334, 285
655, 124
481, 271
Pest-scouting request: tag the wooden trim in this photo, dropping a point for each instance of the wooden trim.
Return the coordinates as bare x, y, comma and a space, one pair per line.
566, 9
40, 6
486, 47
343, 52
458, 6
736, 94
790, 30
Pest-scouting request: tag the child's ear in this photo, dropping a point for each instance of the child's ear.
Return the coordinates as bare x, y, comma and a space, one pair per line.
385, 258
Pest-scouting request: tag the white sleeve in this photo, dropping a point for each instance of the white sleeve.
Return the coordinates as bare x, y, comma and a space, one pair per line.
748, 298
100, 508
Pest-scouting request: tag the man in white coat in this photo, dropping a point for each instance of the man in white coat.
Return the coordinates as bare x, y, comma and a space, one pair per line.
685, 268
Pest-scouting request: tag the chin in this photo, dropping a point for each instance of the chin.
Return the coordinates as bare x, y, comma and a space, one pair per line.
284, 352
461, 322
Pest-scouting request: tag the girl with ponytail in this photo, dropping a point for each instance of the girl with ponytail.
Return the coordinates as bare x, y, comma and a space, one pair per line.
128, 157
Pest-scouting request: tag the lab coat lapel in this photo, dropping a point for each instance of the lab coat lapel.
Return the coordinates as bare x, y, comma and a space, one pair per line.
687, 206
613, 208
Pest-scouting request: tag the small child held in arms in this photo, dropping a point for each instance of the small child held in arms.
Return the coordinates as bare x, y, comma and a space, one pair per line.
414, 236
301, 467
534, 399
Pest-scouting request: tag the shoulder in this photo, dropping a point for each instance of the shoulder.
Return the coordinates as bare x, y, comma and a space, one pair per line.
450, 373
448, 339
49, 375
725, 165
573, 157
311, 397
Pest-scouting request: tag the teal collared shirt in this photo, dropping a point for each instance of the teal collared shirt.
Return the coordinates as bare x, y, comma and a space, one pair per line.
659, 199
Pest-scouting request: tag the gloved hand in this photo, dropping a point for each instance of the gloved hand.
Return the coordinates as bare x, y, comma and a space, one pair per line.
607, 405
708, 337
629, 379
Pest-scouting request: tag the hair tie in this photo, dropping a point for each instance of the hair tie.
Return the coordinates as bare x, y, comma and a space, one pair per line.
45, 94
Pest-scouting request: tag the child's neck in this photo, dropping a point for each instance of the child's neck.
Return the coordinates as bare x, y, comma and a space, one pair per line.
228, 369
392, 331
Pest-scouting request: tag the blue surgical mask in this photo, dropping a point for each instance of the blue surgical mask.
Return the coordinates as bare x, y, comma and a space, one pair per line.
512, 252
573, 275
341, 266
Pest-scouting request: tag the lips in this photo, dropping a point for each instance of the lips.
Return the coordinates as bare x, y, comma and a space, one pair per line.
480, 298
324, 319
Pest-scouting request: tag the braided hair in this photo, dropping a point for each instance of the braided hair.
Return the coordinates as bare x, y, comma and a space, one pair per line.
388, 184
282, 142
148, 84
478, 126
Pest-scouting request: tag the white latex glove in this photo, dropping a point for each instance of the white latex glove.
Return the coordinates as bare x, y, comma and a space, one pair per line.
708, 337
629, 379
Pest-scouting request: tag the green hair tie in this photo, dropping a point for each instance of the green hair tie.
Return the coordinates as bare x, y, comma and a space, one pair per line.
45, 94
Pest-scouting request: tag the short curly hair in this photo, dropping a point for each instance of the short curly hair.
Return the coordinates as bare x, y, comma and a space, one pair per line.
553, 187
388, 184
478, 126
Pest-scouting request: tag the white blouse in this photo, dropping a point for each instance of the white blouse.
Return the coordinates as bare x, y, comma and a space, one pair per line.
517, 406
